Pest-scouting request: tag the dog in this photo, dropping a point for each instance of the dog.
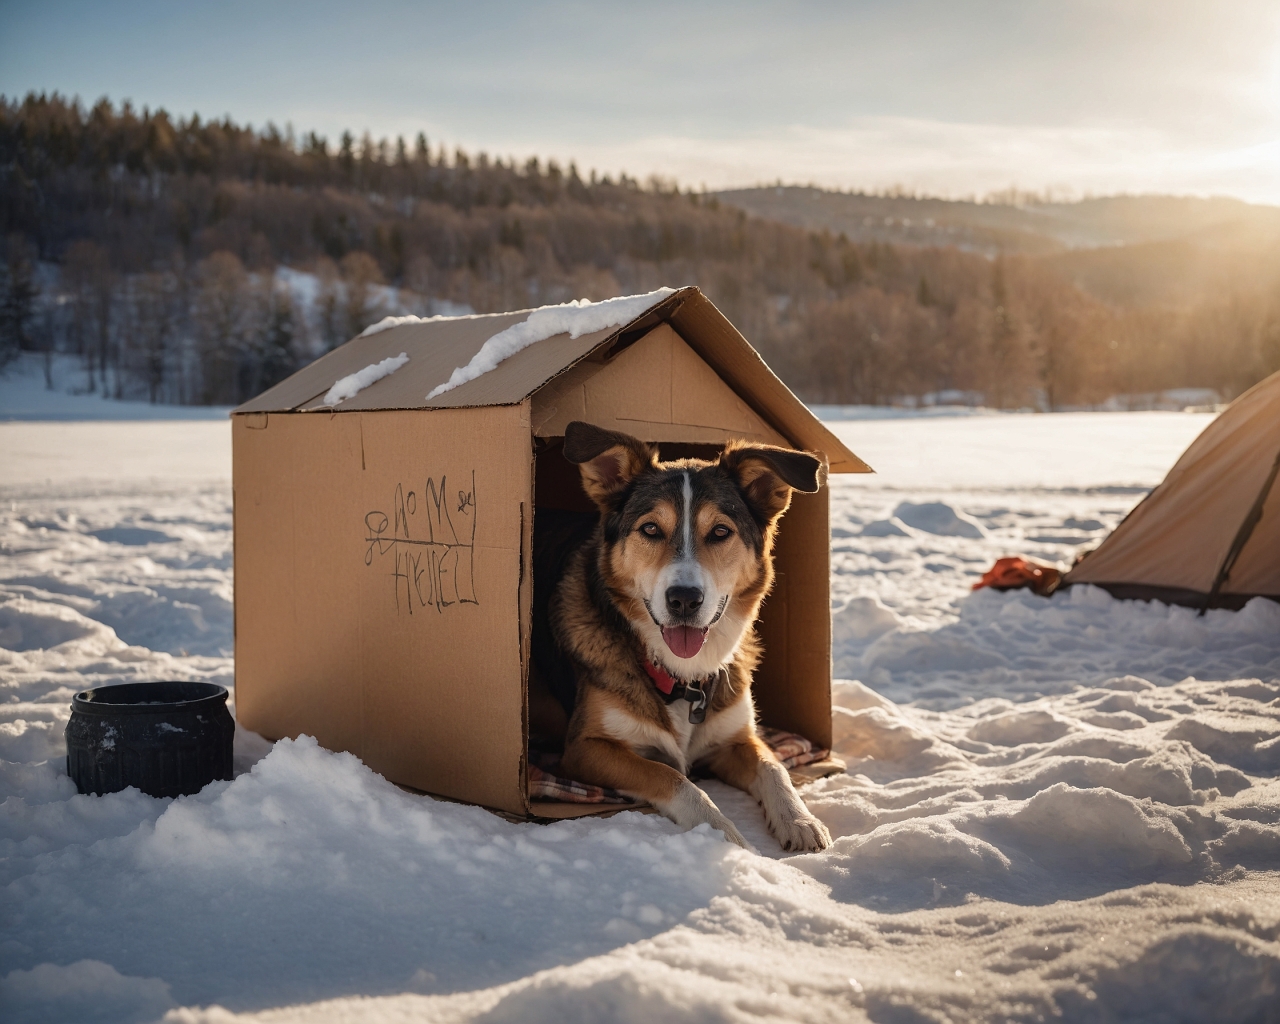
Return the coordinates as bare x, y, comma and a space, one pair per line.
654, 615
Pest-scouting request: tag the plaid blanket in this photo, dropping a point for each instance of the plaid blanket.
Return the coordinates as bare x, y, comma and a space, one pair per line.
546, 783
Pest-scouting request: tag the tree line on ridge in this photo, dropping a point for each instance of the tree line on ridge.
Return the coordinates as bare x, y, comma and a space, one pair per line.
201, 261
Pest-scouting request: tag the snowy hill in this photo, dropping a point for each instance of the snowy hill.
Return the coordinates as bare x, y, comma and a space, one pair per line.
1014, 224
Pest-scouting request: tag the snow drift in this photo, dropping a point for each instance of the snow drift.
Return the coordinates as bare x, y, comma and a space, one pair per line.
1053, 808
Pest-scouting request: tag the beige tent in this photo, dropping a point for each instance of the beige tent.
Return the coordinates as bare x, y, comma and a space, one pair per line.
1209, 535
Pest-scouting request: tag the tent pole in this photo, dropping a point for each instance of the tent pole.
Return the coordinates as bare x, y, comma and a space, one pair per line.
1242, 536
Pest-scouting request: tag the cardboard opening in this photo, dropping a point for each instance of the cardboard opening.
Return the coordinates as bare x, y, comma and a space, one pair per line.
792, 686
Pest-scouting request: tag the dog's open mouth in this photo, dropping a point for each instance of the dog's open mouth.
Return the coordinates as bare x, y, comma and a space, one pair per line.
685, 641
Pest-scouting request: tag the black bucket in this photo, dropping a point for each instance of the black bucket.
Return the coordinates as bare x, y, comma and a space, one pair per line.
168, 739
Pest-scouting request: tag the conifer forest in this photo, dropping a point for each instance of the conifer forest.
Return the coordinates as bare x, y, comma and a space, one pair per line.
192, 261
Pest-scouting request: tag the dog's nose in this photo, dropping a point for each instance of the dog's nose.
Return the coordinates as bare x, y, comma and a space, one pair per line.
683, 601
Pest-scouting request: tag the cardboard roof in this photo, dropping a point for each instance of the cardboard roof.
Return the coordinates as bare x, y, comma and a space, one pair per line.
436, 348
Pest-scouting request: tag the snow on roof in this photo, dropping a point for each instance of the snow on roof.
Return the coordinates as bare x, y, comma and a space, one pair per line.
352, 384
388, 322
574, 318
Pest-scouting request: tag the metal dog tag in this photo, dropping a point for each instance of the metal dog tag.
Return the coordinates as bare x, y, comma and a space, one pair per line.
696, 695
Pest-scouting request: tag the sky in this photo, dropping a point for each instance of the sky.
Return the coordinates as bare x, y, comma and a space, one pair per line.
948, 97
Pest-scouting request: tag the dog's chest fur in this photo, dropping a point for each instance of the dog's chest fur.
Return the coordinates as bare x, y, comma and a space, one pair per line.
683, 744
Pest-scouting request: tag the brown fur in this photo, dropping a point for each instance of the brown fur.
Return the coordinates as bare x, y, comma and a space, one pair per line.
621, 733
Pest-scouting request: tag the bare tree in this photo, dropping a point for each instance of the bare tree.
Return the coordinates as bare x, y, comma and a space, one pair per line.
48, 322
219, 315
91, 283
153, 315
17, 298
360, 275
275, 340
329, 303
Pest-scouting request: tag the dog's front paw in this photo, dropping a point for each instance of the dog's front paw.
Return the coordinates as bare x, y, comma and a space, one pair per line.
693, 807
801, 834
723, 824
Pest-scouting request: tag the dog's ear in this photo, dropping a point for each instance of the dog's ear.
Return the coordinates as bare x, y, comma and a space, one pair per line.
607, 459
767, 475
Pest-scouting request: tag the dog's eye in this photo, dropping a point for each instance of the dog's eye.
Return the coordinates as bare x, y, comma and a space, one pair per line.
651, 530
720, 532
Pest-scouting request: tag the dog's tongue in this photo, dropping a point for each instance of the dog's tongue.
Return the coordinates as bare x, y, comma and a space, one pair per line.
684, 641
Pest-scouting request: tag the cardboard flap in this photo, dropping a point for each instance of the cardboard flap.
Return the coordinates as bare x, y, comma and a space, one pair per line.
712, 336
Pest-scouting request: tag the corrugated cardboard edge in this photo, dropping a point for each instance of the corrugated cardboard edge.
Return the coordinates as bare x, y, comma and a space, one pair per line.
709, 333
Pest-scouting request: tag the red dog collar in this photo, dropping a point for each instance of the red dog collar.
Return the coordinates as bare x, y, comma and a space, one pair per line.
661, 677
697, 693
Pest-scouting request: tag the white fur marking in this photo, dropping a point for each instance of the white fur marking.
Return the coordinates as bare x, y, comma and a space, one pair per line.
686, 742
685, 570
687, 550
641, 736
719, 728
678, 716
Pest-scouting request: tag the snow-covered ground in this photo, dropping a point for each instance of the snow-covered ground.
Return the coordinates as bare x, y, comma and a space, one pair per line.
1071, 811
950, 496
25, 395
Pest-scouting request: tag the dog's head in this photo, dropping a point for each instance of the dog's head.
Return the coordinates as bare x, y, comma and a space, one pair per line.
687, 544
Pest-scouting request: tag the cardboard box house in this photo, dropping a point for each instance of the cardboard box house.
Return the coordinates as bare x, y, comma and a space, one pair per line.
384, 544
